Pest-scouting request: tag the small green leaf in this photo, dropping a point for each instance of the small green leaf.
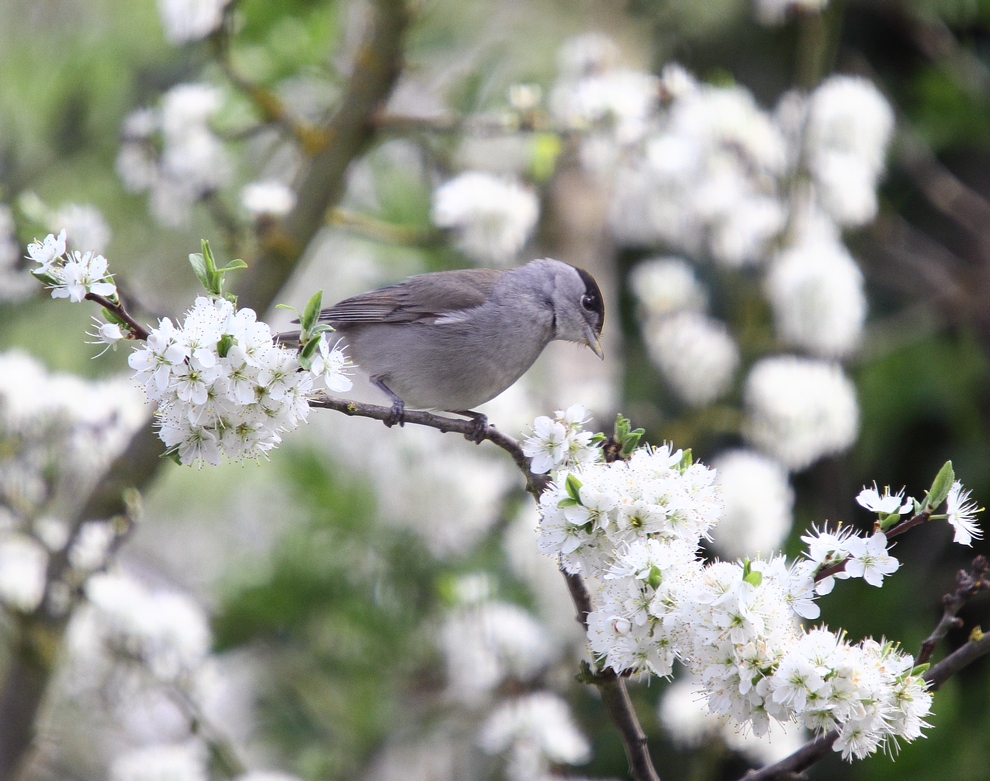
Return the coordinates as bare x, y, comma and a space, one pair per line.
573, 486
920, 669
886, 520
308, 351
752, 576
234, 265
113, 317
687, 458
224, 345
568, 502
199, 266
286, 306
172, 455
656, 577
940, 486
312, 312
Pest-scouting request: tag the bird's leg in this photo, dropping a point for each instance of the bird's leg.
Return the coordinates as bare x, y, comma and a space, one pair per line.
398, 413
477, 433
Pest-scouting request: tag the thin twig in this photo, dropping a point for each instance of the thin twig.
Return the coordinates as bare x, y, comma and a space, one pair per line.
138, 330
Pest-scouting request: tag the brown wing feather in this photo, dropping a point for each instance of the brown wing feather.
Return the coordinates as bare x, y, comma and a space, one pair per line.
423, 298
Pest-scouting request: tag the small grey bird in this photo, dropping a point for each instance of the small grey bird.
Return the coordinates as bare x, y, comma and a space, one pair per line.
451, 340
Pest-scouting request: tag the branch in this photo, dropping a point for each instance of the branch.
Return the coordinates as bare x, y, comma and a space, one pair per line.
968, 585
535, 484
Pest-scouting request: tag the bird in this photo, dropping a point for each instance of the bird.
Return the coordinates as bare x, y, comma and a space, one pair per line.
452, 340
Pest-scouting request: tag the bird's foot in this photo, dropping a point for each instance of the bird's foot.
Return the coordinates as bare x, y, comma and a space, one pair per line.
479, 425
397, 414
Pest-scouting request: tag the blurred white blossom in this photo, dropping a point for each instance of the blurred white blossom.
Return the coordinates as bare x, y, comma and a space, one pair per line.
759, 503
799, 410
267, 198
492, 216
535, 730
171, 152
170, 762
818, 298
190, 20
774, 12
22, 572
696, 355
15, 283
666, 285
487, 642
848, 127
84, 226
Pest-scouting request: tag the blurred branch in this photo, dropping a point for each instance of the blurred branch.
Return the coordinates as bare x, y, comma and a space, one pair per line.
345, 136
379, 230
977, 647
943, 189
968, 585
611, 686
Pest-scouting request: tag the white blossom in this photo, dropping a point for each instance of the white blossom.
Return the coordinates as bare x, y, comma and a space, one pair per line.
848, 128
696, 355
799, 410
869, 560
818, 298
167, 762
166, 631
267, 198
536, 730
15, 283
560, 441
84, 224
887, 504
492, 216
235, 402
759, 503
774, 12
22, 572
488, 642
171, 152
962, 515
190, 20
666, 285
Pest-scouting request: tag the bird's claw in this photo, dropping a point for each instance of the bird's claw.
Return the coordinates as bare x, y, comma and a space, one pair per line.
479, 429
397, 414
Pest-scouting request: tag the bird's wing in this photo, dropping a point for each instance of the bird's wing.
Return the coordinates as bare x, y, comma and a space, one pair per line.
425, 298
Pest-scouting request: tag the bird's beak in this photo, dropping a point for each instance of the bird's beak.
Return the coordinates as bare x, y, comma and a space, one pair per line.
592, 339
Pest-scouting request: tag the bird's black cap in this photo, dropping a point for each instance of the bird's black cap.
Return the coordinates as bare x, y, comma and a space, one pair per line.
593, 293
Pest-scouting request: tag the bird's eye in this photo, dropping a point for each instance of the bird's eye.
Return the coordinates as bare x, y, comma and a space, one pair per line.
588, 302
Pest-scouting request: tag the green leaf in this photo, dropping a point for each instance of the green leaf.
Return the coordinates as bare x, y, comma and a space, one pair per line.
573, 486
112, 317
687, 458
921, 669
568, 502
886, 520
940, 486
308, 351
234, 265
224, 345
656, 577
172, 455
312, 312
752, 576
198, 263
